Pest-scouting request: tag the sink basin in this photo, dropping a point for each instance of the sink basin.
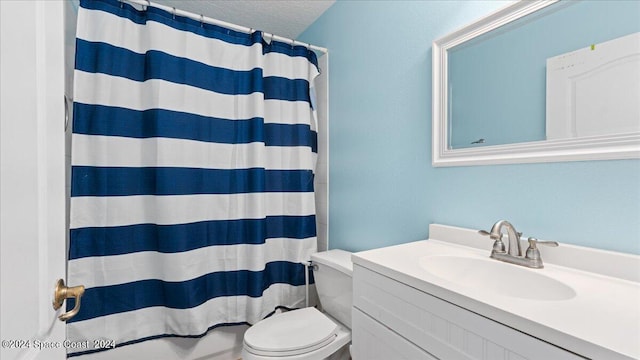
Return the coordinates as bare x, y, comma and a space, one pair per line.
495, 276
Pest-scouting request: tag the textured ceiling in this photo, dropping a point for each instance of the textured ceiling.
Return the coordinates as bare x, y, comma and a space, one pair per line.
288, 18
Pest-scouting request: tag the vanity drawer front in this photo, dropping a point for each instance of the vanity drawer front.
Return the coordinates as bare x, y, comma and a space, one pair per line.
372, 341
441, 328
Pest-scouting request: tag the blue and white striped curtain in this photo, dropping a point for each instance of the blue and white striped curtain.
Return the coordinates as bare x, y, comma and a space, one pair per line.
192, 202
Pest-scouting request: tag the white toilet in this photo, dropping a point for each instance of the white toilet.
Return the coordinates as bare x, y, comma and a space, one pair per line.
308, 334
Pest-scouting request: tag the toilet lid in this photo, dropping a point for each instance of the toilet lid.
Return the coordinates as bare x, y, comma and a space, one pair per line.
290, 333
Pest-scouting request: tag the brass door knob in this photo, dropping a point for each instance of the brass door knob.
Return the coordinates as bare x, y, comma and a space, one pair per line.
62, 292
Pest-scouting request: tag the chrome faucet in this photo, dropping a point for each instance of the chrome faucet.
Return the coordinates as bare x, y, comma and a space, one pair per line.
513, 254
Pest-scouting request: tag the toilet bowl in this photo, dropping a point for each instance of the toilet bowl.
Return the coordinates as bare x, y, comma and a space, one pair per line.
308, 333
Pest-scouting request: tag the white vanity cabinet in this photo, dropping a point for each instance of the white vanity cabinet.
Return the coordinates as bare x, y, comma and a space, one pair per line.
392, 320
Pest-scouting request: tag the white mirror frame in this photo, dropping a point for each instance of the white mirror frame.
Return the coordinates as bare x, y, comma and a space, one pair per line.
606, 147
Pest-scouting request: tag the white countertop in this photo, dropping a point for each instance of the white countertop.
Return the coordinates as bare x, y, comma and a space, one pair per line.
601, 322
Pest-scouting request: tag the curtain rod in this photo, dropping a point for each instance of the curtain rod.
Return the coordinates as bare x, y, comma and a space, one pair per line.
231, 26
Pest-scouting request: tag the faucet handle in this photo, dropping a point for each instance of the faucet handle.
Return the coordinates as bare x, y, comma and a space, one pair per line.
532, 252
533, 242
498, 245
491, 235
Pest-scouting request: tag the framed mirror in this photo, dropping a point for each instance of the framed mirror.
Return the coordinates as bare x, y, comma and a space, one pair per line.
539, 81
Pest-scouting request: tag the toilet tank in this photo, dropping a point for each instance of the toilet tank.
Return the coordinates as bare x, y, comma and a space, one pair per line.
333, 283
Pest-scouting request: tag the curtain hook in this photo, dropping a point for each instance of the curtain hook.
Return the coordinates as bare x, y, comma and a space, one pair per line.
121, 4
174, 13
148, 5
201, 21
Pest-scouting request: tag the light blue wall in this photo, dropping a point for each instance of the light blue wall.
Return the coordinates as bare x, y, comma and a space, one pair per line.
383, 189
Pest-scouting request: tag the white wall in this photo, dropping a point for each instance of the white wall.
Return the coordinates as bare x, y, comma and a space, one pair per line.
321, 181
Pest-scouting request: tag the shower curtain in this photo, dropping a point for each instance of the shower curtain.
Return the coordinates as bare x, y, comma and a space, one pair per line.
192, 202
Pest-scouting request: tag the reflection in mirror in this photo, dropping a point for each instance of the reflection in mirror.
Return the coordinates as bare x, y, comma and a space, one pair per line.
595, 91
497, 82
